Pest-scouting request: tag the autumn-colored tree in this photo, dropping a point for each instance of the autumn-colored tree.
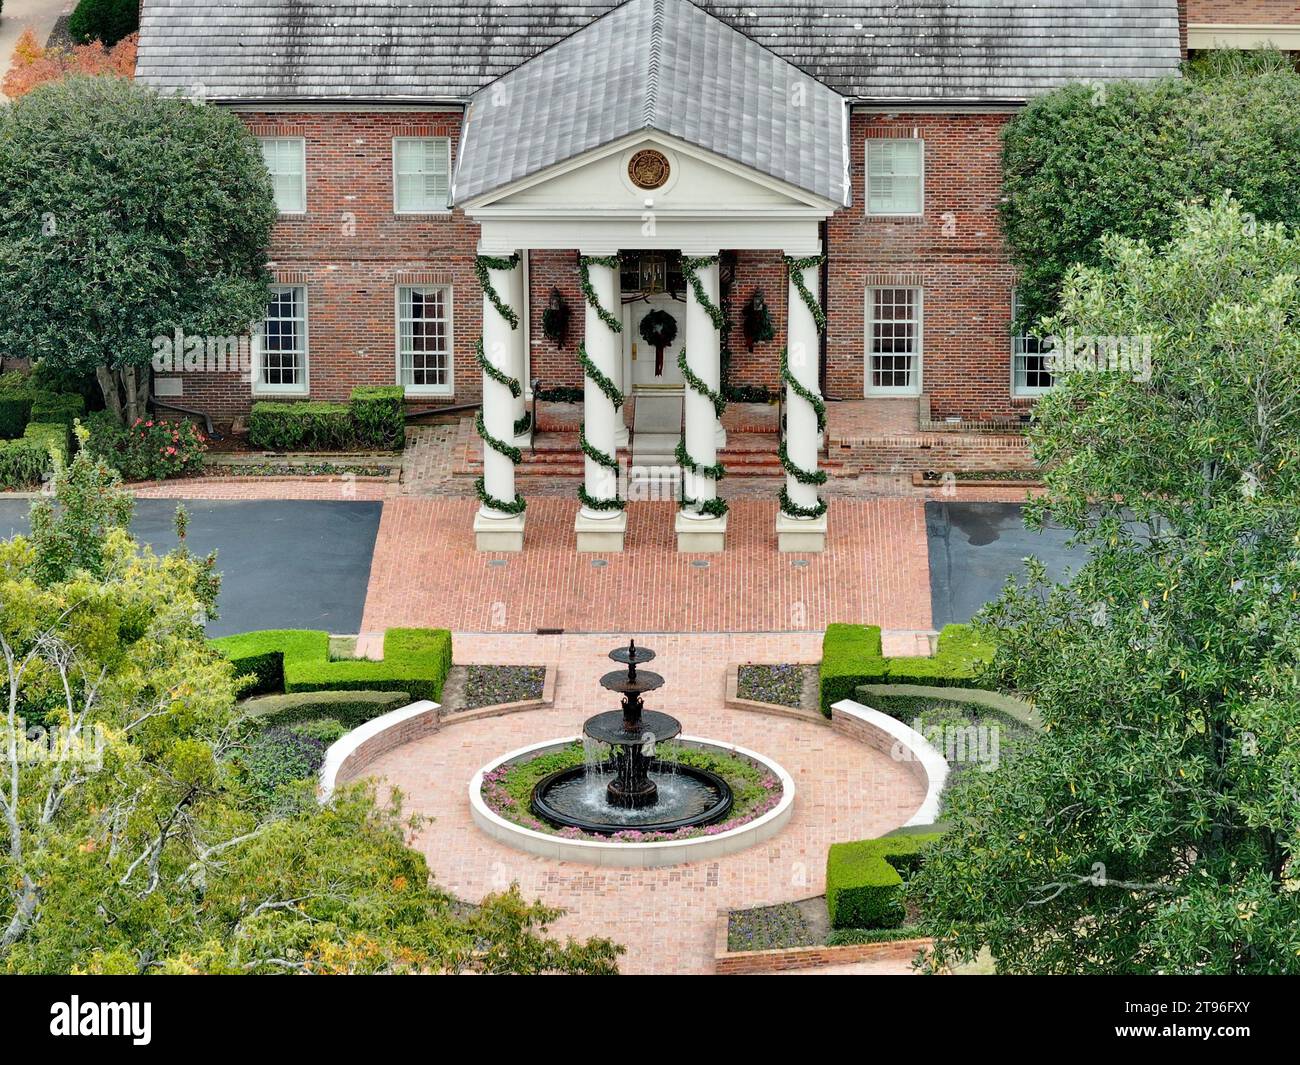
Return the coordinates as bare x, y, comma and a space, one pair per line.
34, 65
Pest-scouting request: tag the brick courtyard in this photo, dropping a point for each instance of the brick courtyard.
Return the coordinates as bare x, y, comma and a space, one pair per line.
427, 572
665, 917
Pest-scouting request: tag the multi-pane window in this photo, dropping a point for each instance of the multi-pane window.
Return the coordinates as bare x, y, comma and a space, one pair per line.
421, 174
286, 159
894, 339
424, 338
895, 182
283, 361
1031, 370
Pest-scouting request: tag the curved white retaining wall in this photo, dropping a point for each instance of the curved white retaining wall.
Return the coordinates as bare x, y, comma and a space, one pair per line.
348, 756
632, 855
903, 744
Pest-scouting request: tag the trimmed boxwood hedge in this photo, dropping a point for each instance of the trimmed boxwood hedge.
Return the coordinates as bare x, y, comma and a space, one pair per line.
375, 417
348, 708
24, 462
864, 883
851, 656
379, 416
415, 661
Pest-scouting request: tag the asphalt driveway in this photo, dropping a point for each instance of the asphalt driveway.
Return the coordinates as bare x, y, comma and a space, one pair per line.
300, 564
974, 547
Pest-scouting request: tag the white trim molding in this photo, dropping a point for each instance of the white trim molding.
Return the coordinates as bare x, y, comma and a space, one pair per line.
904, 744
1212, 35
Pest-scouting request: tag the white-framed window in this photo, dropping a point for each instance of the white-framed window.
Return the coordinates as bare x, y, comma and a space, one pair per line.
424, 353
1031, 370
895, 177
421, 174
282, 348
286, 159
893, 341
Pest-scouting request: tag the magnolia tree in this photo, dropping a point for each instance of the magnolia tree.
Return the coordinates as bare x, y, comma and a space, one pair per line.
127, 216
132, 842
1152, 829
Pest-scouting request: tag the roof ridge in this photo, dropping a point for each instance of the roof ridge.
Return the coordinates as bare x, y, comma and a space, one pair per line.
650, 111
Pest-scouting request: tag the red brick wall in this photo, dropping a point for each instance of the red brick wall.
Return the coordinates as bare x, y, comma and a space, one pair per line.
351, 251
954, 252
1236, 12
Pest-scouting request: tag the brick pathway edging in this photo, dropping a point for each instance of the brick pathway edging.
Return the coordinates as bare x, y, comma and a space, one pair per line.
757, 706
349, 756
498, 709
782, 959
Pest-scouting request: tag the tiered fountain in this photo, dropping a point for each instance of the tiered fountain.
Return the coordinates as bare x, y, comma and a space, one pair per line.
631, 788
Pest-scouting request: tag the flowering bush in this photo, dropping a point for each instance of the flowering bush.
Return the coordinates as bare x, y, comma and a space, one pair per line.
151, 449
34, 65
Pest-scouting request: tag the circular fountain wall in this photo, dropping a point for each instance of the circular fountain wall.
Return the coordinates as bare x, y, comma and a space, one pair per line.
685, 796
631, 854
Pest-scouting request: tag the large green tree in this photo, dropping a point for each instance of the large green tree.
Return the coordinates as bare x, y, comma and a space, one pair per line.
126, 215
1153, 827
131, 840
1088, 160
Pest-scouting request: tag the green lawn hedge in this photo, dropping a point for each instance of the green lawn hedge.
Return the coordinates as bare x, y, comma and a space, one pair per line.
851, 656
25, 461
864, 883
415, 661
348, 708
374, 418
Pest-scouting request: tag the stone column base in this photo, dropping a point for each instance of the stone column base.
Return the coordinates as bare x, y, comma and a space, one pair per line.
800, 535
601, 535
498, 534
719, 436
523, 440
705, 535
621, 436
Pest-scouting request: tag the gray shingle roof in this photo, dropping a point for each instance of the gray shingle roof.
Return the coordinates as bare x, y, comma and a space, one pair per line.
432, 49
664, 65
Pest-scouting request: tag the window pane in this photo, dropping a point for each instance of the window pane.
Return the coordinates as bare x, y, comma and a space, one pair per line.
284, 338
285, 159
424, 337
423, 177
894, 176
1031, 371
895, 331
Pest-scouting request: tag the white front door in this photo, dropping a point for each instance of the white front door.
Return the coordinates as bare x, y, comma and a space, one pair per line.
644, 368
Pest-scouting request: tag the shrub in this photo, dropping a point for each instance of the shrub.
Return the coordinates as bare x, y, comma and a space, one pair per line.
415, 661
960, 658
308, 426
24, 462
150, 450
33, 65
864, 882
325, 729
57, 407
280, 756
107, 21
850, 656
348, 708
379, 416
15, 413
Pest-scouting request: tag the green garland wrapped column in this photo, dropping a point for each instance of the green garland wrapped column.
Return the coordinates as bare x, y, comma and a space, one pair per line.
702, 521
801, 523
499, 524
600, 523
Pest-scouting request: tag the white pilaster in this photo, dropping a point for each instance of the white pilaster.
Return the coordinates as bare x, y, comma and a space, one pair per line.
802, 437
697, 531
601, 530
493, 529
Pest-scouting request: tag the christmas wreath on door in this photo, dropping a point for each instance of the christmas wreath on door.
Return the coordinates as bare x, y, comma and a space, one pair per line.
659, 329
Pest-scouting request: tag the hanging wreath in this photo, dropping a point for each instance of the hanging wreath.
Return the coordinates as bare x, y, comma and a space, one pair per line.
659, 329
555, 319
758, 320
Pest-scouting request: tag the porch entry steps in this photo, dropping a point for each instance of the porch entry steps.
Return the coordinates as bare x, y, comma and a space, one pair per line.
656, 428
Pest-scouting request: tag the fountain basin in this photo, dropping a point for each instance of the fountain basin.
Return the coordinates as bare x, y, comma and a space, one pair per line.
682, 796
622, 853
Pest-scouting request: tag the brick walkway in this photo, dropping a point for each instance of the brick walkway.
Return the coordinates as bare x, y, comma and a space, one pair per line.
665, 917
427, 572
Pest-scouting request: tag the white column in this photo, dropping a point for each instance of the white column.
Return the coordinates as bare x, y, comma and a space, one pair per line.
601, 530
495, 530
518, 300
802, 438
697, 531
621, 436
